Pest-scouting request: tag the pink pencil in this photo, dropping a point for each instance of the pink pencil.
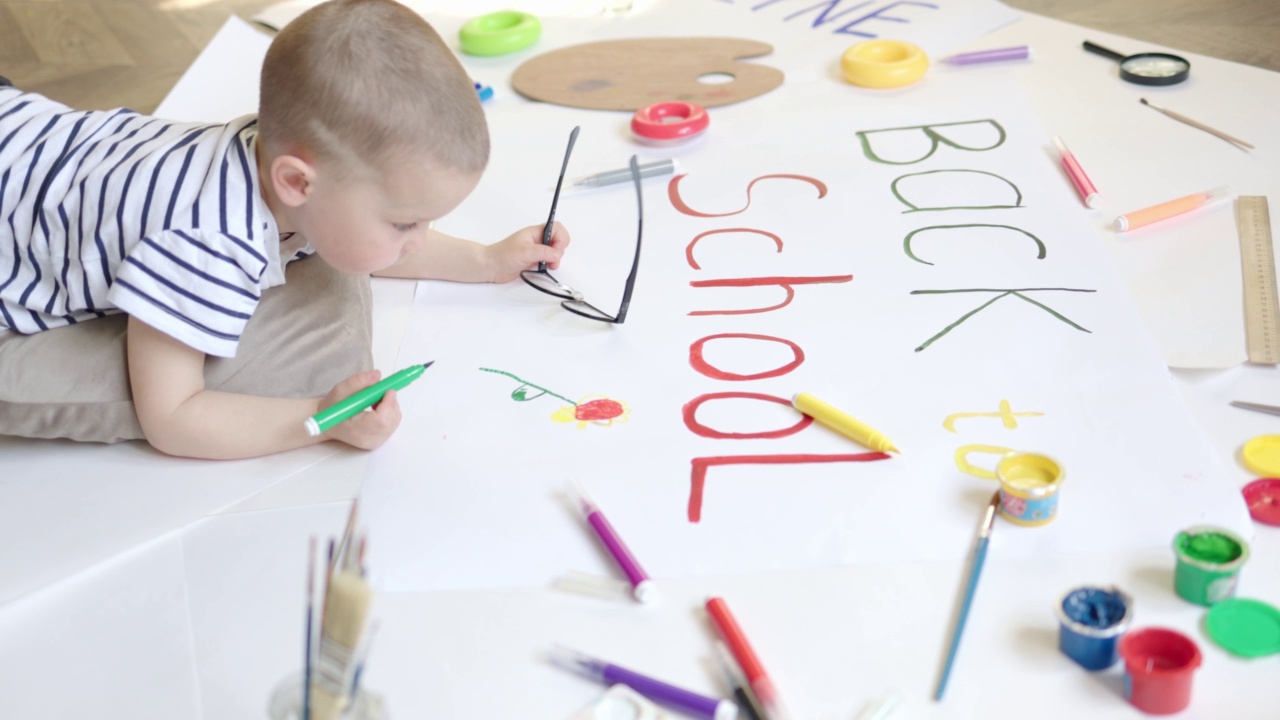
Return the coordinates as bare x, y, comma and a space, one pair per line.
1082, 183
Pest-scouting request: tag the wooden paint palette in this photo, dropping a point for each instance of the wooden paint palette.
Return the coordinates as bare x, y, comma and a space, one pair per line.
631, 74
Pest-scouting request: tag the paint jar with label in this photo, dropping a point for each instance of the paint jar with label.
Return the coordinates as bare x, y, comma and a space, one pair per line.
1029, 482
1209, 562
1091, 621
1158, 667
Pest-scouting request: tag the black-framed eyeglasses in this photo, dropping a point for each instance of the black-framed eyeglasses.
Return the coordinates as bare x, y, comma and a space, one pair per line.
572, 300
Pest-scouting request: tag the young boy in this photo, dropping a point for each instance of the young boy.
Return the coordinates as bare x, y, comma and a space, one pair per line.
368, 130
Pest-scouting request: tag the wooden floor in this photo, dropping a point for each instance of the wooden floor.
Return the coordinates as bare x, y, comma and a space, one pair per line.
1243, 31
111, 53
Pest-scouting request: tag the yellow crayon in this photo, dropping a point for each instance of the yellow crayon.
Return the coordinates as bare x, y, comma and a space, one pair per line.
841, 422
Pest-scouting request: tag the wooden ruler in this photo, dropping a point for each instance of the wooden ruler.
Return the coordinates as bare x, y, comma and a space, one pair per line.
1257, 261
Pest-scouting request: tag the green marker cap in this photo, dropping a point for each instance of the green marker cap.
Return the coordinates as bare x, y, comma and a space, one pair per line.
1248, 628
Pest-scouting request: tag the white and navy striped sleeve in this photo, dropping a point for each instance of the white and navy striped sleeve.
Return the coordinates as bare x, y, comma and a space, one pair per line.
98, 211
198, 286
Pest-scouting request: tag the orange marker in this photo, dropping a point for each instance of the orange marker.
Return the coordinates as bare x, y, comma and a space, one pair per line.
1165, 210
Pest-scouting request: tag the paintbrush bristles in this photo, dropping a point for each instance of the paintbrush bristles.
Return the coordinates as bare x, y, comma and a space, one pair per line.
347, 608
346, 612
330, 677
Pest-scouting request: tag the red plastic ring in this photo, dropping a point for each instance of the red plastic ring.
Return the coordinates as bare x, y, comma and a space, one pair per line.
651, 122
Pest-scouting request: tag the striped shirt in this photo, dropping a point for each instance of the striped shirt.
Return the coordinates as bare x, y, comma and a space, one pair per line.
111, 211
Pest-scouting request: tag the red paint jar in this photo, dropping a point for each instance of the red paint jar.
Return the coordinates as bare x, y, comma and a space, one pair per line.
1158, 667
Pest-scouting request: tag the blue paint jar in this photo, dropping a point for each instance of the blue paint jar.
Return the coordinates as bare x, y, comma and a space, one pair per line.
1091, 622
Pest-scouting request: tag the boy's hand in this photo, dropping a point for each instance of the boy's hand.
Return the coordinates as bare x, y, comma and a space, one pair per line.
523, 250
369, 429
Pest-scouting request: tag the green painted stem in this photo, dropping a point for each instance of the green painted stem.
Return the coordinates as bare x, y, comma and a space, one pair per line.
526, 382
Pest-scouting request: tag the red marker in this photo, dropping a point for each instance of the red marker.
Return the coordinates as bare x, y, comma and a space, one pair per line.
733, 636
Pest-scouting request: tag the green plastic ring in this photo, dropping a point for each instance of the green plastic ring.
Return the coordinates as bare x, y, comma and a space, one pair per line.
499, 33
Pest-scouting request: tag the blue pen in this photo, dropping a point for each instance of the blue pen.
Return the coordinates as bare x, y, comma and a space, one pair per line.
975, 571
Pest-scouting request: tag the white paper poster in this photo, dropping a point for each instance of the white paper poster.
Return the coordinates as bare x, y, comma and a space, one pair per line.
917, 260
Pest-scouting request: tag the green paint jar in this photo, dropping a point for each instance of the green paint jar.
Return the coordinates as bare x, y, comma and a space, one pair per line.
1209, 562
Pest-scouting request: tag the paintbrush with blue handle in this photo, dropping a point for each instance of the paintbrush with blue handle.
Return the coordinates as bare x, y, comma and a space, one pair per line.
975, 571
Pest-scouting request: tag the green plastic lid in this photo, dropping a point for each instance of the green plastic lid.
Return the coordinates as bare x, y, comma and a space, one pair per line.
1248, 628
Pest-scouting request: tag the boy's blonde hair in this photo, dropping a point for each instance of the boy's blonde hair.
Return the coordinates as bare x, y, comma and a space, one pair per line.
359, 84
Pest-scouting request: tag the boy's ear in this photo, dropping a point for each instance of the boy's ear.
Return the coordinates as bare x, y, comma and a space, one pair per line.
292, 178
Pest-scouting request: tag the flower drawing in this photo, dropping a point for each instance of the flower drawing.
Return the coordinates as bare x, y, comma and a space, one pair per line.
597, 410
590, 410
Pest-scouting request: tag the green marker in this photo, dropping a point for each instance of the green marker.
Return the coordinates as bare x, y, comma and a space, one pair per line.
356, 403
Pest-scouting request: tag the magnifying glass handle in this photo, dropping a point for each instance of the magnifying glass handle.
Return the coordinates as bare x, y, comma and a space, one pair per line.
1099, 50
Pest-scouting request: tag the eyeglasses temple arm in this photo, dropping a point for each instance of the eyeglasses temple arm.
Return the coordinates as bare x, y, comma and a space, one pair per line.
635, 263
555, 199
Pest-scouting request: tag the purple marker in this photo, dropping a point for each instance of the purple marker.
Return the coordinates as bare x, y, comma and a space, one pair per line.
1021, 52
641, 586
690, 703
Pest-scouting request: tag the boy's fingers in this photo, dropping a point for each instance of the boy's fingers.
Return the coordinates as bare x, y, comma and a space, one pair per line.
349, 387
560, 237
546, 253
361, 380
388, 400
392, 422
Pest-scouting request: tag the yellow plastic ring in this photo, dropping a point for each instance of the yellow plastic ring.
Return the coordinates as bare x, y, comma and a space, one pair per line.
883, 64
499, 33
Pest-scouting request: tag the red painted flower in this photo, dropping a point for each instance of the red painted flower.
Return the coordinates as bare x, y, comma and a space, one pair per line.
595, 411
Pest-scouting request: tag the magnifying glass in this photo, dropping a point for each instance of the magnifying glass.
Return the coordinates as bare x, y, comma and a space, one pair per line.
1151, 68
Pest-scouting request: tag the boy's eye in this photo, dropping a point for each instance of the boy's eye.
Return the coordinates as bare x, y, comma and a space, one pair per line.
404, 227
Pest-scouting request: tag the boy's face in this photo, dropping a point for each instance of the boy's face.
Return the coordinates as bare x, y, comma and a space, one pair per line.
361, 225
